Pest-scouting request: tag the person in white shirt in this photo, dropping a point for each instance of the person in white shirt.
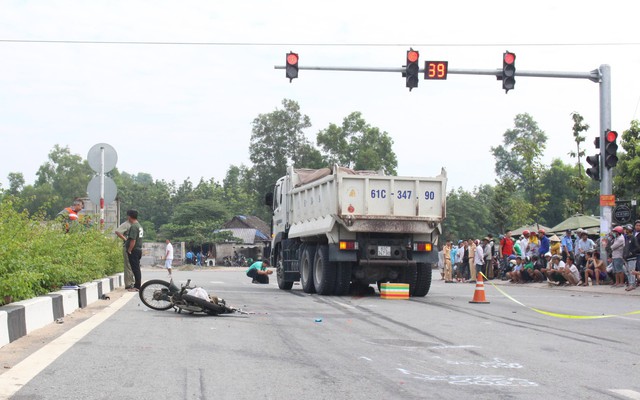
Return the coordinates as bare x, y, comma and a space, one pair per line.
524, 243
555, 272
479, 260
168, 257
571, 272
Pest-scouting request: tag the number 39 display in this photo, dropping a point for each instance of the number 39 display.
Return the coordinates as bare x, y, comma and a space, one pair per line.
436, 69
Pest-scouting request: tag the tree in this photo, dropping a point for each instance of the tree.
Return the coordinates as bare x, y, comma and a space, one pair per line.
579, 181
627, 179
519, 160
238, 197
63, 177
16, 183
358, 145
278, 140
468, 214
510, 209
195, 221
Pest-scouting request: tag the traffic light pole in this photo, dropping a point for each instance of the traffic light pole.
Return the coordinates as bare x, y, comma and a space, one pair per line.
602, 75
606, 174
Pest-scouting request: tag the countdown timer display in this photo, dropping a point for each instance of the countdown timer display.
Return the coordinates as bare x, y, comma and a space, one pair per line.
436, 69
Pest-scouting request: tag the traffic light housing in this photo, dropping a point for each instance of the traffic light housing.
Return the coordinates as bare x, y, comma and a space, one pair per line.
610, 149
412, 69
508, 71
292, 66
594, 171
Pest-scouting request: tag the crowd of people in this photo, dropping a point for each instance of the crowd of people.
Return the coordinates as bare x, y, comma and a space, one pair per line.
574, 259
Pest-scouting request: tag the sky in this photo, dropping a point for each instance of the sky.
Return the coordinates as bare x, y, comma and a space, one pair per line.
185, 111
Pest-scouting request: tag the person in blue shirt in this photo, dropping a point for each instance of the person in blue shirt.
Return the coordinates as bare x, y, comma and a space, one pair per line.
544, 243
567, 244
189, 257
259, 272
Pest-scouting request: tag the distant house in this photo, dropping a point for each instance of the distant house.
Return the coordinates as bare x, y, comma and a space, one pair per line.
254, 233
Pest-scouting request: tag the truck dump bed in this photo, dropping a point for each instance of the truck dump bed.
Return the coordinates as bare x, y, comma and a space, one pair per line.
363, 201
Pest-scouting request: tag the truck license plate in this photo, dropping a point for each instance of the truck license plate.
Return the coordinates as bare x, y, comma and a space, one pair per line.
384, 251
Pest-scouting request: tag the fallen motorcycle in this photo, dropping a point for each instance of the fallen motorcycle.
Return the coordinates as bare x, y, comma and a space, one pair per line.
162, 295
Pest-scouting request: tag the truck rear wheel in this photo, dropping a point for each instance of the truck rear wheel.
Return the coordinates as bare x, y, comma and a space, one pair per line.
343, 279
282, 283
324, 272
409, 275
306, 269
423, 282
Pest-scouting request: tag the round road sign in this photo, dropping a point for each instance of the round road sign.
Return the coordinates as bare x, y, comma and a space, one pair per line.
110, 190
622, 214
110, 157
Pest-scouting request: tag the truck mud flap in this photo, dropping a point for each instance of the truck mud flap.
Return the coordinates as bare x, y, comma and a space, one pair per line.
291, 276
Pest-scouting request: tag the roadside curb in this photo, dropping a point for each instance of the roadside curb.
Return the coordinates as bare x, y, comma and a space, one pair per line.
23, 317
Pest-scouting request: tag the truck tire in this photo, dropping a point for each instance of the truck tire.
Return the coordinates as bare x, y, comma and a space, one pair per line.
423, 283
343, 279
324, 272
306, 269
282, 283
409, 275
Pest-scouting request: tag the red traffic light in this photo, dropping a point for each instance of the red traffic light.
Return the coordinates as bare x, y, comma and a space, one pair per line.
611, 136
509, 58
292, 58
412, 56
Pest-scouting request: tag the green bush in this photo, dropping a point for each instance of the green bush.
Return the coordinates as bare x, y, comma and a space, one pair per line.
38, 257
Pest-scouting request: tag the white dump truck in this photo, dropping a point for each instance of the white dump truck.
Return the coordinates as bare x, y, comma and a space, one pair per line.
336, 227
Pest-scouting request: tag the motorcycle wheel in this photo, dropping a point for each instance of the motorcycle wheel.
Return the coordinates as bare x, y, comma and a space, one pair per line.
209, 307
155, 294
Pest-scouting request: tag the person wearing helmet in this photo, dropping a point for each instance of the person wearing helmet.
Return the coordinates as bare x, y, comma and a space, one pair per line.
617, 248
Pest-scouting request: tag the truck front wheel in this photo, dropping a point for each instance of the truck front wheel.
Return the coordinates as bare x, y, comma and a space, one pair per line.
306, 269
282, 283
423, 283
324, 272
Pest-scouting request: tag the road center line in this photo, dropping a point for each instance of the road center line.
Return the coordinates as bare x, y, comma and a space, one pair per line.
632, 394
18, 376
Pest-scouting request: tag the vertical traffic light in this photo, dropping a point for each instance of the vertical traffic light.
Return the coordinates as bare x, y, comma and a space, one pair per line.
594, 171
413, 69
292, 66
508, 71
610, 153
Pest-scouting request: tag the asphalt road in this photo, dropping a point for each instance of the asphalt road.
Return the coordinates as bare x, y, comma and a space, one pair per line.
299, 346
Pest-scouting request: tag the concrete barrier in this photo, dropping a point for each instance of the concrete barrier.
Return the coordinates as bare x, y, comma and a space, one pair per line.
23, 317
104, 286
38, 312
4, 332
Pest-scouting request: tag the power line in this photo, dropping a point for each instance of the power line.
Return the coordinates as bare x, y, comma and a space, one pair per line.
266, 44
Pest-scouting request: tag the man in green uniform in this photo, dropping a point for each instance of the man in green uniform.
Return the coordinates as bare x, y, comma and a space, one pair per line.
134, 248
259, 272
122, 232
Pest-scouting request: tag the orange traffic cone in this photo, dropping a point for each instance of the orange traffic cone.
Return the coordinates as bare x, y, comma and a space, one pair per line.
478, 295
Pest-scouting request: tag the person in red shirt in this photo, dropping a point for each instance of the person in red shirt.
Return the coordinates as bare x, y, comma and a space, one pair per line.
505, 250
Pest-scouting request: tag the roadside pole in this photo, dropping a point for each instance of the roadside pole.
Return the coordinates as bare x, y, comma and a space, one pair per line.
606, 174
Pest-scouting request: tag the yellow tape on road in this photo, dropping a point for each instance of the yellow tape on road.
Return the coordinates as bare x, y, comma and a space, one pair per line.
557, 315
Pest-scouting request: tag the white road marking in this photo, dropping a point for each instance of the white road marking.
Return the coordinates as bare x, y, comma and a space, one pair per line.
18, 376
217, 282
364, 358
444, 346
631, 394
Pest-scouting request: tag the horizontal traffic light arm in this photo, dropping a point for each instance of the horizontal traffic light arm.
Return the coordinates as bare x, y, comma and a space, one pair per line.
593, 76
